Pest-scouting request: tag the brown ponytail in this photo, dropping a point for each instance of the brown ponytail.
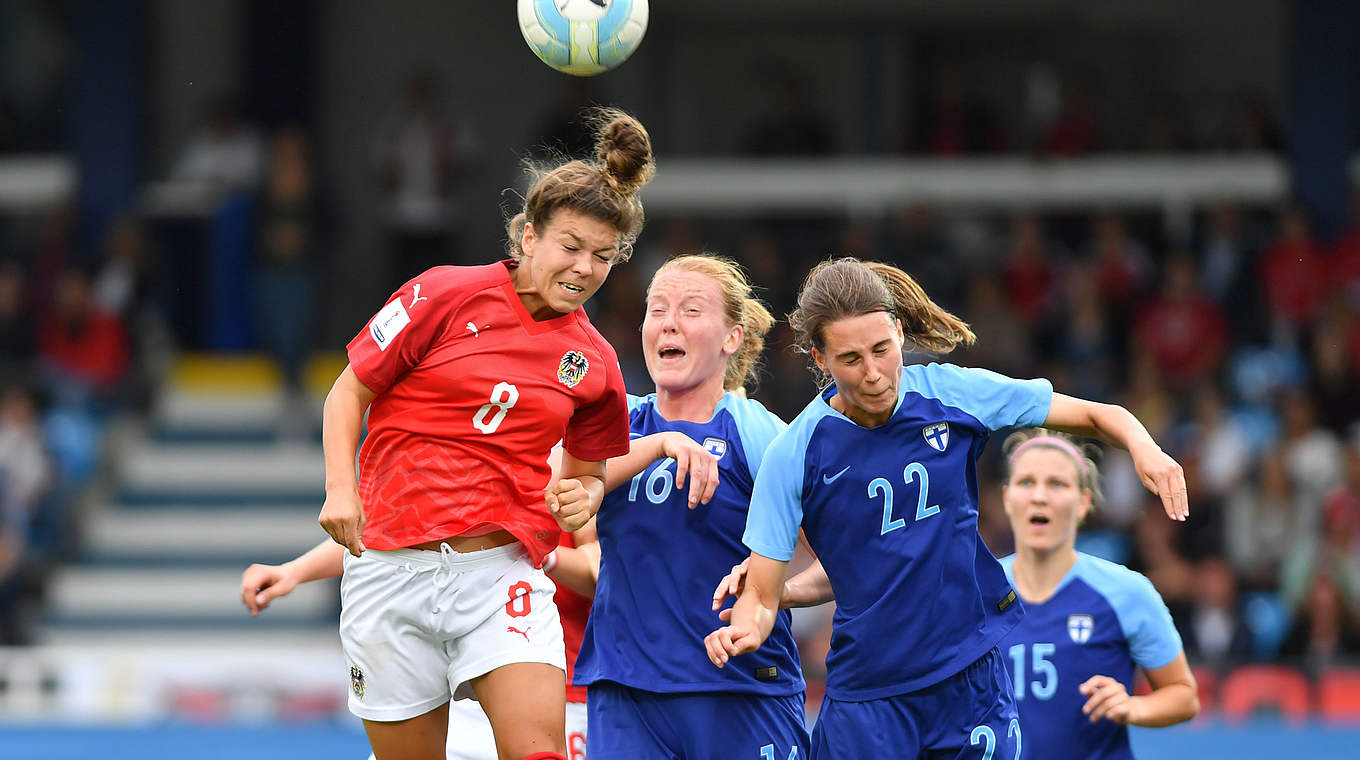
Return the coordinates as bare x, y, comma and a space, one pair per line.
848, 287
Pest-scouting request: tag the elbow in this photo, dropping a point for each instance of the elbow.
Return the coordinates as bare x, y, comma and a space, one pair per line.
1191, 706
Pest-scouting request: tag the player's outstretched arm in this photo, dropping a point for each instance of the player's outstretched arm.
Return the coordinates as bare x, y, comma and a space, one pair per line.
692, 462
808, 588
342, 420
1174, 697
753, 615
262, 584
1116, 425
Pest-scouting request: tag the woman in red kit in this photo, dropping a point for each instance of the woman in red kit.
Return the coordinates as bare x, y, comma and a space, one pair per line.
469, 376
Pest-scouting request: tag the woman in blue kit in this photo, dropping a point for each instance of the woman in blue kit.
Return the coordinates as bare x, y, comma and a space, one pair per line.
1088, 622
653, 693
879, 471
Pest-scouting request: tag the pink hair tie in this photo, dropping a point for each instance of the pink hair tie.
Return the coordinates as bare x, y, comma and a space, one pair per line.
1057, 443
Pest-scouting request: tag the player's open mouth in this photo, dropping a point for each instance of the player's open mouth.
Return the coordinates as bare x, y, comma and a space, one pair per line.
670, 352
1038, 520
573, 289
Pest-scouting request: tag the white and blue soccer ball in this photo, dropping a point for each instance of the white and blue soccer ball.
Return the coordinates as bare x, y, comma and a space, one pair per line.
583, 37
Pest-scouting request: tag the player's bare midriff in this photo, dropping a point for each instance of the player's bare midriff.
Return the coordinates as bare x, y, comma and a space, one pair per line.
470, 543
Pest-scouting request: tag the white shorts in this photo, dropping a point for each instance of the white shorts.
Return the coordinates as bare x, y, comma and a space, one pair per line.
470, 735
417, 625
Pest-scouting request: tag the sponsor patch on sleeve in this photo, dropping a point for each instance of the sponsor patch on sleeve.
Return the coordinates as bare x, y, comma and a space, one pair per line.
388, 323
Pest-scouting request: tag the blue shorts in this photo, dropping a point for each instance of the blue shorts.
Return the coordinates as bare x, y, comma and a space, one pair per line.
626, 724
969, 716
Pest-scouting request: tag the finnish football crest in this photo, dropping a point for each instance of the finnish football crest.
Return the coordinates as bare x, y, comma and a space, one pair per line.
715, 446
937, 435
356, 681
1079, 628
572, 368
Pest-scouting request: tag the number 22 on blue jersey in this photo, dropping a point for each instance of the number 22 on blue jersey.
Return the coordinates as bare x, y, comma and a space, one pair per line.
883, 487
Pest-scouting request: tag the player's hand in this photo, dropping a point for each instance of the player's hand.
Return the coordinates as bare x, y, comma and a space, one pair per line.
729, 641
342, 516
262, 584
1163, 476
695, 461
731, 585
569, 503
1107, 698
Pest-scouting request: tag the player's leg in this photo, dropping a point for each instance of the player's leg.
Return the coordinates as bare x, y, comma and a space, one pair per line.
625, 723
752, 727
877, 728
577, 723
418, 738
396, 664
526, 703
470, 736
982, 722
506, 648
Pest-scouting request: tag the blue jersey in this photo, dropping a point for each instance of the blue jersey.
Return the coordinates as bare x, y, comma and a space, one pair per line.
660, 562
892, 513
1102, 620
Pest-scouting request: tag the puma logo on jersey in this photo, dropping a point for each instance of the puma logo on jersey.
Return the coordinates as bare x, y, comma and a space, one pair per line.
829, 479
418, 297
512, 629
473, 328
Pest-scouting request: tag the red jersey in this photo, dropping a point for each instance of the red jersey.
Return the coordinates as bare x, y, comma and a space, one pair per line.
472, 394
573, 609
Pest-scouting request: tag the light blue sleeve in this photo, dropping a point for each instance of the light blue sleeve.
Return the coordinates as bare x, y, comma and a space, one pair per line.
758, 427
777, 499
995, 400
636, 401
1143, 616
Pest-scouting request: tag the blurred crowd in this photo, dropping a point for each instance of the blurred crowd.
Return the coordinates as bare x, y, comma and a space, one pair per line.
1238, 346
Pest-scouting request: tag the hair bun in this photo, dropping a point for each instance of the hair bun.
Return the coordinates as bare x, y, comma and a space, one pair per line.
624, 147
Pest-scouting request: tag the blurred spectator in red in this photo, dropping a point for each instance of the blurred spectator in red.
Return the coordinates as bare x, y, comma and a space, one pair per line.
84, 349
1293, 275
226, 151
1215, 632
421, 158
17, 324
1262, 524
1122, 264
953, 122
1028, 271
790, 125
1182, 331
1076, 130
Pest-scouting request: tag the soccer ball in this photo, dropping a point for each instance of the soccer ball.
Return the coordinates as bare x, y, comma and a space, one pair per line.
583, 37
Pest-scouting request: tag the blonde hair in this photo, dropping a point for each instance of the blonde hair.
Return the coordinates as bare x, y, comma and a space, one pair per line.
739, 307
848, 287
605, 188
1088, 472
